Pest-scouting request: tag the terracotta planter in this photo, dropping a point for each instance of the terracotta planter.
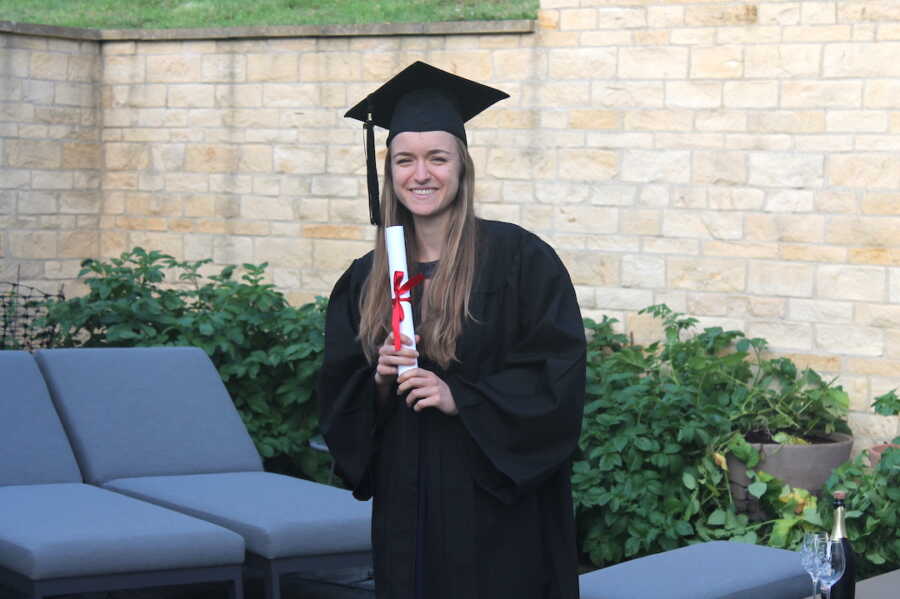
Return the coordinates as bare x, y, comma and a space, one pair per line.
876, 450
803, 466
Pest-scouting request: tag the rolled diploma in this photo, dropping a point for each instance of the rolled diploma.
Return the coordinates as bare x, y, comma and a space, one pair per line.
396, 251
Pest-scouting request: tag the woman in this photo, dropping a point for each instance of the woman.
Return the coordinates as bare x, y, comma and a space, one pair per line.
466, 456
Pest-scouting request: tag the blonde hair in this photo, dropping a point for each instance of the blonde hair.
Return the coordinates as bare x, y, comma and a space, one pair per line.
444, 306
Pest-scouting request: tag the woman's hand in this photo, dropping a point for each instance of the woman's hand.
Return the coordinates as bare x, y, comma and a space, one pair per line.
426, 390
389, 358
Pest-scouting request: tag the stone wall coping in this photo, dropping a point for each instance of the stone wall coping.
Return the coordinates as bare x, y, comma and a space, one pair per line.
274, 31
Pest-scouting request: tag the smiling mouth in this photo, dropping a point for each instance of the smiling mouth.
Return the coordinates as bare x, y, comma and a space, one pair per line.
423, 191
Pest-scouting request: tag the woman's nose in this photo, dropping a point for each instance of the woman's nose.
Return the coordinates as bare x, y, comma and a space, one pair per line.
421, 173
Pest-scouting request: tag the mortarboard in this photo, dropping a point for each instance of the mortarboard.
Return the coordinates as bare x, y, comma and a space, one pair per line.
418, 98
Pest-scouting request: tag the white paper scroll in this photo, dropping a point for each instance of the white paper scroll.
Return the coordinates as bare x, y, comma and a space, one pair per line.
396, 252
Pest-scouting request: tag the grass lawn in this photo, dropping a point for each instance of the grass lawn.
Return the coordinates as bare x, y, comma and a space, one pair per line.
166, 14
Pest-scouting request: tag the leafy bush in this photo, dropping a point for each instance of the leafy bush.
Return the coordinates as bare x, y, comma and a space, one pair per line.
647, 475
267, 352
659, 421
873, 510
887, 404
873, 501
872, 518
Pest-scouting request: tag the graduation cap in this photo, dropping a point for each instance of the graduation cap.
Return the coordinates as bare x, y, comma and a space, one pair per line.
418, 98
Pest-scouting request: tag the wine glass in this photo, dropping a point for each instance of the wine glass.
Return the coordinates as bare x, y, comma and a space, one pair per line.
811, 554
831, 568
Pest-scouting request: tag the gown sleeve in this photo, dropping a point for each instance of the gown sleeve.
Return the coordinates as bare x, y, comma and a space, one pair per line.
346, 389
525, 417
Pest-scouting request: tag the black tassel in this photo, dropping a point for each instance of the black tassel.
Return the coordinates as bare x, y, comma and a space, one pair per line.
371, 169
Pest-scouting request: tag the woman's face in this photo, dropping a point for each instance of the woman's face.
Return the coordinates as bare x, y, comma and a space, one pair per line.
425, 167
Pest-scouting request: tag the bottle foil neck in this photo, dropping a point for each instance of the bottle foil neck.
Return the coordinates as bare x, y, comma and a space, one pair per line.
839, 530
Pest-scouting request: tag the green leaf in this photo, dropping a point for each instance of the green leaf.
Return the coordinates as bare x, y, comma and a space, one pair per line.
781, 530
757, 489
643, 444
811, 515
632, 546
592, 406
786, 439
717, 518
749, 537
689, 481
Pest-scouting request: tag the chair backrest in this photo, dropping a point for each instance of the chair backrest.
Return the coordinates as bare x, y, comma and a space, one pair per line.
33, 445
146, 411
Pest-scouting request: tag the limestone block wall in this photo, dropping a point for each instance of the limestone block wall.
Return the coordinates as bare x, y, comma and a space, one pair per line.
747, 167
735, 160
234, 150
50, 158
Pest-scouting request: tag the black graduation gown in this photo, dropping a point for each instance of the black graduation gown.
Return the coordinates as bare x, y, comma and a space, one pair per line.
498, 519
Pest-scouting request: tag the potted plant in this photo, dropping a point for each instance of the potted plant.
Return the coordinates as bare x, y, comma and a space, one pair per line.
791, 424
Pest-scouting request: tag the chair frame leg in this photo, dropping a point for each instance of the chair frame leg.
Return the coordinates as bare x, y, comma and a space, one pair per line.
272, 570
236, 587
272, 581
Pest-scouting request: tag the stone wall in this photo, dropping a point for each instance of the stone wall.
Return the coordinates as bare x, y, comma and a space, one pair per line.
735, 160
50, 158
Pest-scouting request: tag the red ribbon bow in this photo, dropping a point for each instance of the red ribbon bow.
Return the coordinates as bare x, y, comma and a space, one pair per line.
397, 312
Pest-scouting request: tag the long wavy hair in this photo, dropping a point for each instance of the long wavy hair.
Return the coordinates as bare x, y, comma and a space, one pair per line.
444, 306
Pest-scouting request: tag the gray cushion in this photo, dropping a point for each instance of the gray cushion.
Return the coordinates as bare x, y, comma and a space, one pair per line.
712, 570
278, 516
72, 529
33, 446
146, 411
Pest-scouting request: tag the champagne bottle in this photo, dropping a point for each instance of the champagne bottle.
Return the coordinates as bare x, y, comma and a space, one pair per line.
845, 587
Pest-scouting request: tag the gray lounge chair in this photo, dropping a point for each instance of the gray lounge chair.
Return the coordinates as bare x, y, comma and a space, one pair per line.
158, 424
59, 535
714, 570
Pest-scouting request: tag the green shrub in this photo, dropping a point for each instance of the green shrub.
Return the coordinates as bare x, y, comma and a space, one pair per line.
659, 422
873, 510
873, 501
266, 351
872, 518
645, 473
